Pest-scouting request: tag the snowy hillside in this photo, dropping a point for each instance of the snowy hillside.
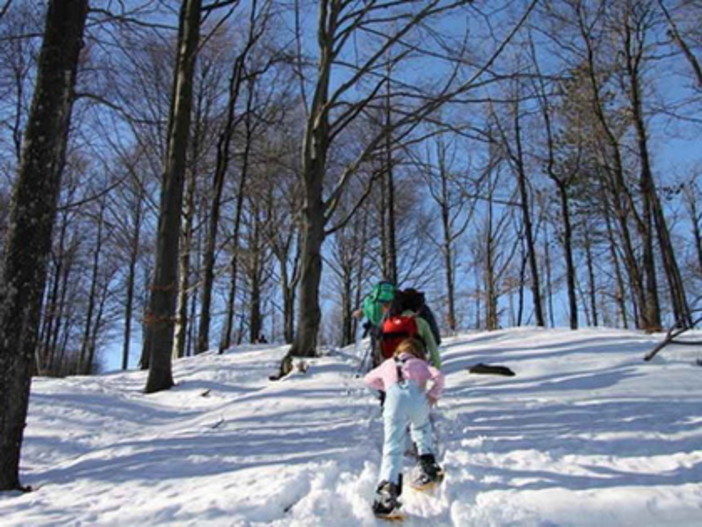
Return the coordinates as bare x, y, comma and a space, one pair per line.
585, 434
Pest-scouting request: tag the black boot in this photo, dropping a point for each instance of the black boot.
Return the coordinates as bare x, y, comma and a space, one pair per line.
386, 502
429, 472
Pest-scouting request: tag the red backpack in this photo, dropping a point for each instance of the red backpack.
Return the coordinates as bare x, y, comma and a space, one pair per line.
394, 330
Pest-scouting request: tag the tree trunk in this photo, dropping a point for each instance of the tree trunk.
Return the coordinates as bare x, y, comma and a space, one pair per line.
180, 335
234, 262
288, 311
549, 280
568, 251
347, 329
160, 317
391, 264
97, 326
222, 165
84, 364
32, 215
491, 297
522, 280
129, 307
619, 191
592, 289
314, 164
309, 314
447, 248
63, 320
681, 310
620, 294
528, 229
44, 354
255, 276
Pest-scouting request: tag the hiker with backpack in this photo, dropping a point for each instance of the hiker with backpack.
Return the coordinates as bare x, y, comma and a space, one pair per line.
404, 377
385, 301
402, 321
374, 309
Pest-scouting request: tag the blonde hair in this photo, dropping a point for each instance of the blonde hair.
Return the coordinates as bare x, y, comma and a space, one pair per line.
412, 346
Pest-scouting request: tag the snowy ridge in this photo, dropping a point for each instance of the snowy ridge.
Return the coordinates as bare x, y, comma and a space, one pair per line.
586, 433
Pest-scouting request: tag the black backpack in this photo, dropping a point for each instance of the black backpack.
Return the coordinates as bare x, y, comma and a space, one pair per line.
414, 301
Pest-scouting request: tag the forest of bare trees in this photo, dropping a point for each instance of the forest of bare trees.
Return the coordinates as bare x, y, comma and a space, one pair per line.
235, 168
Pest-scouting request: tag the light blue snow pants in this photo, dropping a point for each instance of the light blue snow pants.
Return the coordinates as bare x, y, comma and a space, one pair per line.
405, 403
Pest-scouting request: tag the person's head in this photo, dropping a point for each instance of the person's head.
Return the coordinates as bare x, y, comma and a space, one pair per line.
413, 347
398, 304
413, 299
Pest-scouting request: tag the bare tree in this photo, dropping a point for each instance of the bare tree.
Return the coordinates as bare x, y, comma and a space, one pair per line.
493, 249
258, 20
517, 157
161, 311
444, 183
32, 216
563, 175
331, 111
636, 20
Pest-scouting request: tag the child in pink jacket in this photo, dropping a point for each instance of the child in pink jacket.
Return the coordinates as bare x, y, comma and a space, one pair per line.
405, 378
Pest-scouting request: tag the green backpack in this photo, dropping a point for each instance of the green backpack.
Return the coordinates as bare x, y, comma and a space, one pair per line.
382, 293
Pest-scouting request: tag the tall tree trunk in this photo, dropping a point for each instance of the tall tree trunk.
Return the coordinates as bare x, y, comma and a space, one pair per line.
222, 165
309, 314
391, 264
97, 326
161, 312
522, 280
347, 330
592, 289
620, 293
654, 211
549, 279
138, 211
568, 250
44, 354
193, 308
234, 261
255, 276
57, 344
314, 164
620, 196
528, 228
288, 311
358, 280
491, 297
180, 334
131, 277
447, 246
85, 365
32, 216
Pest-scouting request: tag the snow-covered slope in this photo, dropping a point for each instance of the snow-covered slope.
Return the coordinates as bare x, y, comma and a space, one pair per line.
586, 433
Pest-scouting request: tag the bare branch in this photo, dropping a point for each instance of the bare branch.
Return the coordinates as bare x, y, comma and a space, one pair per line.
675, 34
216, 5
5, 8
354, 209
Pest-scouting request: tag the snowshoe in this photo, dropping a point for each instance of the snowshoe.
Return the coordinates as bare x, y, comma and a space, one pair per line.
386, 504
395, 515
428, 474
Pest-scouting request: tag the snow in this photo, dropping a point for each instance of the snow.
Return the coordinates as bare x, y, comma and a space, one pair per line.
585, 434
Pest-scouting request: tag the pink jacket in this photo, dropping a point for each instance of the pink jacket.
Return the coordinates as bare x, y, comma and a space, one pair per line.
414, 369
